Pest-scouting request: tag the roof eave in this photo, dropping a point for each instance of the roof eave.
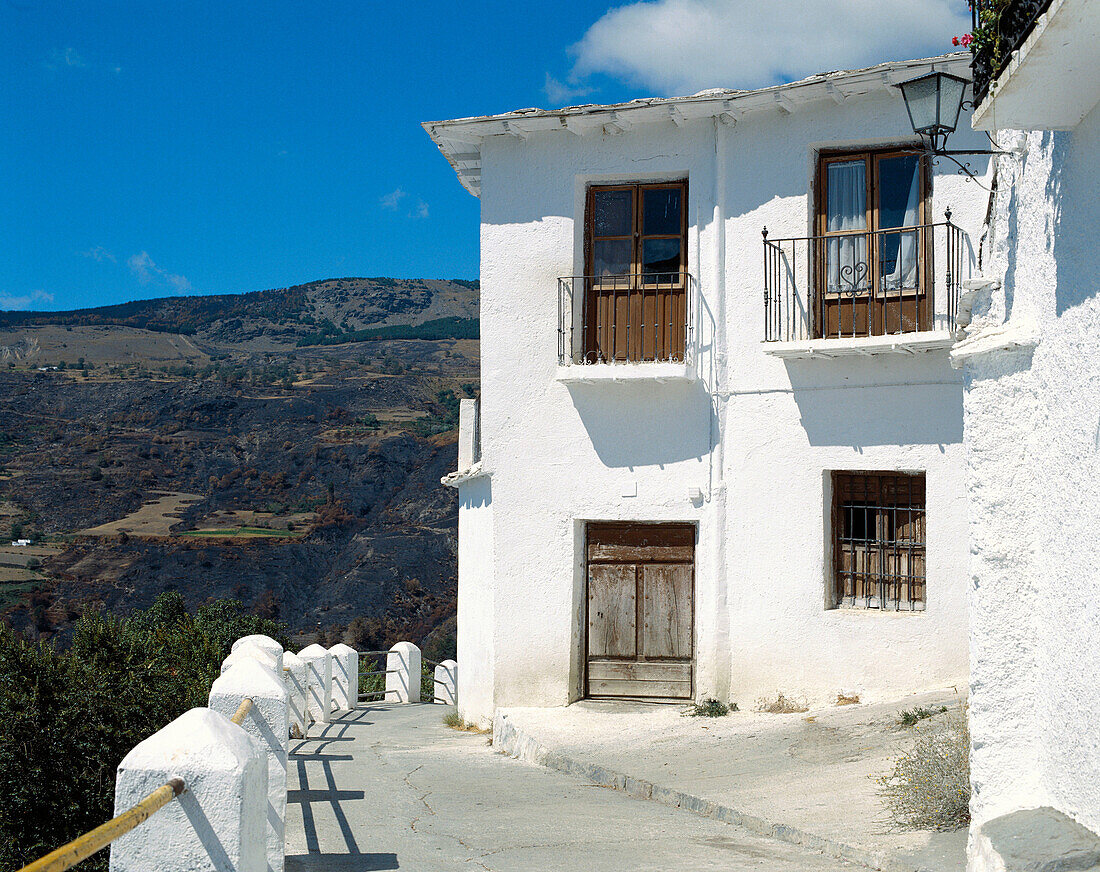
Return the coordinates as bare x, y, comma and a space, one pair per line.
460, 139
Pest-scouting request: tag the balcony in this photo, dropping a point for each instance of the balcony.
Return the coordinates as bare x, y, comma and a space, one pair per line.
627, 327
1034, 63
863, 292
999, 29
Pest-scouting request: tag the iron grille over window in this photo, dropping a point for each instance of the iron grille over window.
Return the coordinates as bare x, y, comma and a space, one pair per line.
879, 540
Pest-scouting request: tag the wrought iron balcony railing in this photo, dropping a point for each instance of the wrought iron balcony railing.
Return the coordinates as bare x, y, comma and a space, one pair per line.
863, 283
637, 318
999, 27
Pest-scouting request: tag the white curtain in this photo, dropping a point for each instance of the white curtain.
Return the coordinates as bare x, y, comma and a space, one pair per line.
846, 266
905, 243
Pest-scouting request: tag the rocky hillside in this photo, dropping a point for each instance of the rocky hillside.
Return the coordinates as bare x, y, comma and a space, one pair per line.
301, 480
280, 318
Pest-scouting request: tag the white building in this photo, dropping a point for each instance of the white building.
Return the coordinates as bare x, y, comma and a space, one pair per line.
1032, 432
712, 462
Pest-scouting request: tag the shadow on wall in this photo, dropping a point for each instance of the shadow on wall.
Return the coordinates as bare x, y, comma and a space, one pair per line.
645, 424
1074, 212
925, 412
476, 494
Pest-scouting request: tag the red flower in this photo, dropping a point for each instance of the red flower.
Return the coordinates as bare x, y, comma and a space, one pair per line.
954, 40
967, 39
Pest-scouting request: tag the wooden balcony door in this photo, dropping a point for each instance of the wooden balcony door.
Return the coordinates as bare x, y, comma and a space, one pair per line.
636, 273
872, 253
641, 592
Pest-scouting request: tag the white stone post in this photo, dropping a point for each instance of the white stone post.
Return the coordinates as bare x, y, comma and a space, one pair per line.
268, 723
218, 821
446, 682
345, 677
252, 652
297, 688
403, 673
265, 642
319, 679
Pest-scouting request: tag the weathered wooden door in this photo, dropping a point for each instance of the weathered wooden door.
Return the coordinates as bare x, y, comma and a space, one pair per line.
641, 580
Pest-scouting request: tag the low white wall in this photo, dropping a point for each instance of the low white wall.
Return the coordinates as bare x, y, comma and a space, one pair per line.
319, 680
218, 822
297, 685
269, 723
403, 665
345, 677
446, 683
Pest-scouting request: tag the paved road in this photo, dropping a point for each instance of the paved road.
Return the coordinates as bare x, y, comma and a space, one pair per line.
390, 787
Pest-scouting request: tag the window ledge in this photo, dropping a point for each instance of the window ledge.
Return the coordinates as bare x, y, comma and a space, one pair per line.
596, 373
899, 343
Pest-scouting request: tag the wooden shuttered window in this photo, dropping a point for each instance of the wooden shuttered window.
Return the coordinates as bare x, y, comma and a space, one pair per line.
873, 252
879, 540
636, 265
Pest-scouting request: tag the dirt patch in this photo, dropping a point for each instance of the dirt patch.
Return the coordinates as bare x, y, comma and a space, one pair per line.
154, 518
98, 345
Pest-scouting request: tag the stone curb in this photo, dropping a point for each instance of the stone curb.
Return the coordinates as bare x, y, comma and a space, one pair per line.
509, 739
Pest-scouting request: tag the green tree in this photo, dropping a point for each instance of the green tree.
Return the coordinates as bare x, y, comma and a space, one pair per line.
68, 717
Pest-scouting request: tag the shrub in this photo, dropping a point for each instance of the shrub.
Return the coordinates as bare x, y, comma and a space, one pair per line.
929, 786
709, 708
909, 717
67, 718
781, 705
454, 720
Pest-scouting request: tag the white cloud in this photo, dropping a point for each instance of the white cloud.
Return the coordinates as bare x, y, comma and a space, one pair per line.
561, 93
68, 57
683, 46
147, 272
99, 253
10, 302
390, 200
421, 209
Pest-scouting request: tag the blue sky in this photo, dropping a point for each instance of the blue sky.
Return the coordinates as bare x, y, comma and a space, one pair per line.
151, 148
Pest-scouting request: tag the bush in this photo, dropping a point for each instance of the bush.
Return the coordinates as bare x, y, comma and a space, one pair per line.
910, 717
929, 787
781, 705
709, 708
67, 718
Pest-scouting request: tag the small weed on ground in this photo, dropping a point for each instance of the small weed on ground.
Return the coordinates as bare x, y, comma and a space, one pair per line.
781, 705
841, 699
929, 787
909, 717
454, 720
709, 708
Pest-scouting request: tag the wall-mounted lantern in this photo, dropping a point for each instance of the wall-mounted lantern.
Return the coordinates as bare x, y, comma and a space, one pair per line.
934, 102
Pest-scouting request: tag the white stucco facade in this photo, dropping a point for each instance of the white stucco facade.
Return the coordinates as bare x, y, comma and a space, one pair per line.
744, 448
1032, 433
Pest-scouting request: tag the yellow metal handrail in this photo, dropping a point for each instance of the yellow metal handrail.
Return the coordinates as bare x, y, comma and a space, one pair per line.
242, 711
82, 848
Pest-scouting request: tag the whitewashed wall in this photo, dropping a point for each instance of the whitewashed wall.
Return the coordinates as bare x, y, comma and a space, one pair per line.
1033, 441
560, 455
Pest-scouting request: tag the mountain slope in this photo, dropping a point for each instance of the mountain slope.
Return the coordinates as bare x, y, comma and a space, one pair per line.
278, 318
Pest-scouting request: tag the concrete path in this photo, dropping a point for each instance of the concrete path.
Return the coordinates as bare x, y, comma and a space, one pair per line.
807, 778
390, 787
